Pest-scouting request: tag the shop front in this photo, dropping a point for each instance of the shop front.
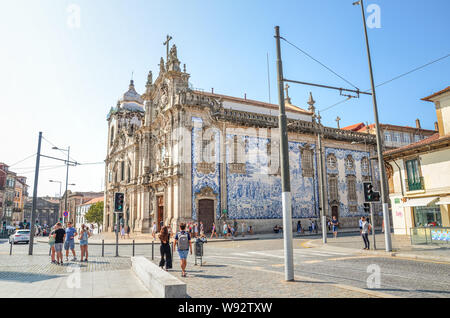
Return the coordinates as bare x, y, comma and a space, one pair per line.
427, 216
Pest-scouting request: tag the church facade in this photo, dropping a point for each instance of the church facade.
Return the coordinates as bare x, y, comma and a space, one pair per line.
181, 155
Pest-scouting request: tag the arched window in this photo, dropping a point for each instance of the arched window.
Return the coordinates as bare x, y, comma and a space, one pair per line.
365, 165
307, 161
349, 163
331, 161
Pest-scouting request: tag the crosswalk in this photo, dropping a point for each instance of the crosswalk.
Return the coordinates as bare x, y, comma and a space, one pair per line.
306, 256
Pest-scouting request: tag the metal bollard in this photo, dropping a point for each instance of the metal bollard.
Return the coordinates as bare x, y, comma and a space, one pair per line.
10, 248
103, 248
153, 250
133, 247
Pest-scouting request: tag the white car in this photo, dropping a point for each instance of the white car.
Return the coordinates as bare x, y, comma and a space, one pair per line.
20, 236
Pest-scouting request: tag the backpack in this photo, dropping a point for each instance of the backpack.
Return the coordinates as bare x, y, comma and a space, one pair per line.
183, 241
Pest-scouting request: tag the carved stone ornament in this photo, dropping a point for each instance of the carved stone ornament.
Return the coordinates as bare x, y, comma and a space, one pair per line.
206, 192
237, 168
206, 167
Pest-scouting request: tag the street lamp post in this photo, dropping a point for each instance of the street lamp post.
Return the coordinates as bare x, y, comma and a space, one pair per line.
60, 183
67, 178
379, 143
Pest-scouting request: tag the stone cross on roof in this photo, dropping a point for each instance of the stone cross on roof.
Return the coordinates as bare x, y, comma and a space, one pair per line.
287, 99
338, 119
167, 43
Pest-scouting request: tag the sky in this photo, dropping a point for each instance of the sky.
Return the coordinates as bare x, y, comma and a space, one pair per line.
64, 64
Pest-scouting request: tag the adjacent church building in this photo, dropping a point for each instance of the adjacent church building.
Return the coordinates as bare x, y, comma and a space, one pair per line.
181, 155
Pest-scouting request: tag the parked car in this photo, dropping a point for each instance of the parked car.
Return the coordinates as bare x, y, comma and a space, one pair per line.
20, 236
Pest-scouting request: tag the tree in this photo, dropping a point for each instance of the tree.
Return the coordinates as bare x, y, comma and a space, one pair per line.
95, 214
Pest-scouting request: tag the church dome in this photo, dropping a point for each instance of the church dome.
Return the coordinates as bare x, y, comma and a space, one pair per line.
131, 100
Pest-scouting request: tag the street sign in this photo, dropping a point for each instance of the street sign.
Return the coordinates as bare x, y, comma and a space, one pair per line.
66, 214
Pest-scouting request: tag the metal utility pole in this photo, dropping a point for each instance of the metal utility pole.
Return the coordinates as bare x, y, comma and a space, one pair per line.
67, 180
117, 234
33, 209
372, 220
285, 177
384, 192
321, 180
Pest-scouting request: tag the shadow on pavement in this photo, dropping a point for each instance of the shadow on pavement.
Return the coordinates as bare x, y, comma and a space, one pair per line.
24, 277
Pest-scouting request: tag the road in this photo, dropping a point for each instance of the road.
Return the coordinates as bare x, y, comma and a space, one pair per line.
398, 277
242, 268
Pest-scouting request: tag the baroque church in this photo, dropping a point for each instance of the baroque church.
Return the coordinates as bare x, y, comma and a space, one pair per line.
180, 155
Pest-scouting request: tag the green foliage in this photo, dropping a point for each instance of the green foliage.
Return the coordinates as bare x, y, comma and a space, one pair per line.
95, 213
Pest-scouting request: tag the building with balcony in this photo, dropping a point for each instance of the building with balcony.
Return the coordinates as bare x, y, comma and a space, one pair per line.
46, 210
20, 196
395, 136
74, 200
419, 176
81, 212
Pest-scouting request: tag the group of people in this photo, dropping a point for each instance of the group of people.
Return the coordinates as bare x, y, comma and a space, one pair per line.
313, 227
60, 237
231, 230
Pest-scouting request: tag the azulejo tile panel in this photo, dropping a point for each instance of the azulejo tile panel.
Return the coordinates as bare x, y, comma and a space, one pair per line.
257, 193
342, 171
199, 154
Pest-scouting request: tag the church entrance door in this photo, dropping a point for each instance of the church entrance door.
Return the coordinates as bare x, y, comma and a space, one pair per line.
206, 214
160, 221
335, 212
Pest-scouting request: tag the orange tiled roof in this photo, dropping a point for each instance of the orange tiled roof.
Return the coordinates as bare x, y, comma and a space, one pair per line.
428, 98
355, 127
418, 144
289, 107
95, 200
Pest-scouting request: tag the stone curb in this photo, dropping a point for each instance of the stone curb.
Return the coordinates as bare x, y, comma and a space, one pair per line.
380, 253
159, 282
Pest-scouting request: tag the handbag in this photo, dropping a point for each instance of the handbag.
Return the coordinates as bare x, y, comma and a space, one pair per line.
51, 240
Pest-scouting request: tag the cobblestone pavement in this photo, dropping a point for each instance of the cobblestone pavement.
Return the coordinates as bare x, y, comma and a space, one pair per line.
401, 245
34, 276
256, 269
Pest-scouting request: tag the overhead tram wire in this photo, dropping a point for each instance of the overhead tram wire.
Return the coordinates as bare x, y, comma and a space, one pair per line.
391, 80
58, 148
317, 61
22, 160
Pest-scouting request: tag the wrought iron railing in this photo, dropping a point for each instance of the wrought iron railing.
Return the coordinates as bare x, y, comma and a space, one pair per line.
414, 186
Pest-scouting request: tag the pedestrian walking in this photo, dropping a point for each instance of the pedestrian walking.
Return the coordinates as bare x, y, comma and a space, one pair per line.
51, 243
360, 225
310, 226
128, 231
69, 244
335, 224
313, 226
299, 227
85, 234
243, 228
202, 229
59, 235
214, 230
195, 229
184, 245
366, 227
122, 232
154, 230
225, 229
166, 256
235, 226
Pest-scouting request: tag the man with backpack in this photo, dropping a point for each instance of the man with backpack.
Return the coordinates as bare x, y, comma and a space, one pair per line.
183, 241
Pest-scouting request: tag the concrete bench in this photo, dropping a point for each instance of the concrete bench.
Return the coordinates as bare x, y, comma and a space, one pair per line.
159, 282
